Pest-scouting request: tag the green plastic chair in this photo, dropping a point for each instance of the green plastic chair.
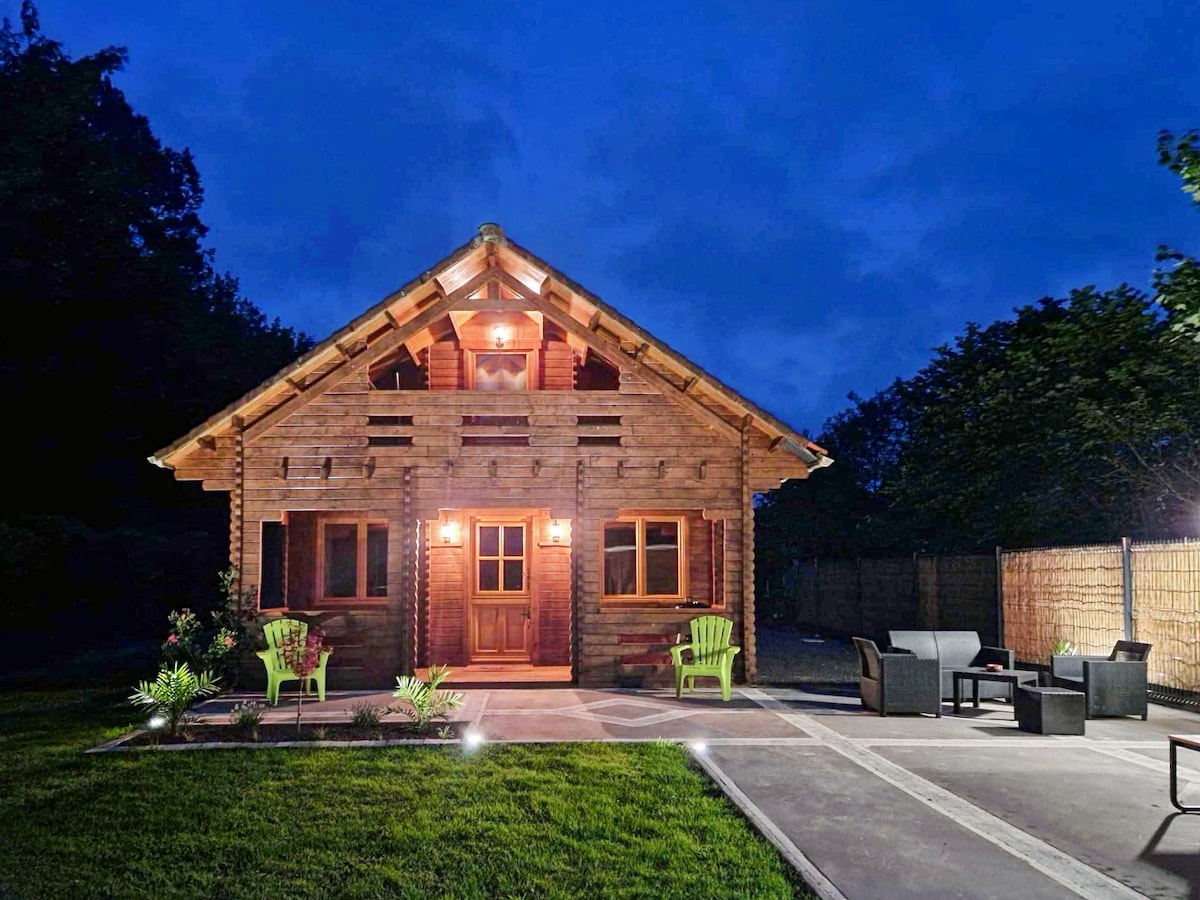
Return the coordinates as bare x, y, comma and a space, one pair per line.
277, 670
711, 654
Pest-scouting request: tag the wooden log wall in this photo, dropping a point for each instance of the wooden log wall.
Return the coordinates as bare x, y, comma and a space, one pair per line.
582, 456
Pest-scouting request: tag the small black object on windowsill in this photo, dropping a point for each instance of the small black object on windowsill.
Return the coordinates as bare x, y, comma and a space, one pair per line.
693, 604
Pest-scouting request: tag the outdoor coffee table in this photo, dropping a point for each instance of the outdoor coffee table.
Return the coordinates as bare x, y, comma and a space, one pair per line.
975, 675
1175, 741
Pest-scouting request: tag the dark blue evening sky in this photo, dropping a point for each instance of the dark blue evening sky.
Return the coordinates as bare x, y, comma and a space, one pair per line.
804, 198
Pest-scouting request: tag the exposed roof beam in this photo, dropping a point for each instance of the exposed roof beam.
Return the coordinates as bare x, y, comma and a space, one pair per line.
384, 345
618, 358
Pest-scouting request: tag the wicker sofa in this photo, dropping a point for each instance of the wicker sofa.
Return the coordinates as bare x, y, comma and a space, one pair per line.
955, 650
1115, 685
897, 682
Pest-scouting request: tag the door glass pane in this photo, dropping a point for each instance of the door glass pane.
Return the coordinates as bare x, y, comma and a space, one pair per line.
620, 559
489, 540
376, 560
500, 372
514, 540
341, 560
662, 558
513, 574
489, 574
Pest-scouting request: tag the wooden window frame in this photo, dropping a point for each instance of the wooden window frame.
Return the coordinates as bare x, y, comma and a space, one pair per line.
533, 380
360, 576
641, 598
477, 557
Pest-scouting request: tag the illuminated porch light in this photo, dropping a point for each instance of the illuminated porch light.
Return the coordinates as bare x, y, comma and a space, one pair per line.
449, 532
556, 531
500, 335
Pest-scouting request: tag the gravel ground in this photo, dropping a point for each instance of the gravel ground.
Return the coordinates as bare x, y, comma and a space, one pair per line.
789, 657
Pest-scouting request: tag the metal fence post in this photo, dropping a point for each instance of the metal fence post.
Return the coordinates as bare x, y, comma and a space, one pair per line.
999, 596
1127, 585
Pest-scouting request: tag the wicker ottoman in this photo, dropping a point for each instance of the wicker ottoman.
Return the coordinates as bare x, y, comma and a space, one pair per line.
1049, 710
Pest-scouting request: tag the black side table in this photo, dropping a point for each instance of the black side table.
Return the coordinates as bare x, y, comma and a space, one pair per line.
1050, 710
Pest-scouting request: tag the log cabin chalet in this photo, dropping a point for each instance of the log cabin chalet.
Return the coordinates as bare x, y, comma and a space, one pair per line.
494, 469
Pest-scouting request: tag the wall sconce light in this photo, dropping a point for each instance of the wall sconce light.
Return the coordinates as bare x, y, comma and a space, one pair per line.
556, 531
448, 532
500, 335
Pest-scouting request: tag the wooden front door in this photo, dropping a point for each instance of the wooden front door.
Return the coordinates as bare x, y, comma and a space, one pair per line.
499, 613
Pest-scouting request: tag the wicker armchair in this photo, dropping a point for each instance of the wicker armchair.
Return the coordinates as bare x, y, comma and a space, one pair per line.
1115, 685
898, 682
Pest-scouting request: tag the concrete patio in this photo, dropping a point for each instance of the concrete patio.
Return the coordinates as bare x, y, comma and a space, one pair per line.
896, 807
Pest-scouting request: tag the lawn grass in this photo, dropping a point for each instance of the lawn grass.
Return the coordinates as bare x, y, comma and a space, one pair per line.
566, 820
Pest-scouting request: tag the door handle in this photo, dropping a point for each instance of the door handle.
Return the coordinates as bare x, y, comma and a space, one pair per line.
526, 613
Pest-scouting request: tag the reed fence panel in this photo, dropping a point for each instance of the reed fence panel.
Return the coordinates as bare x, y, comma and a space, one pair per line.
1062, 594
1166, 612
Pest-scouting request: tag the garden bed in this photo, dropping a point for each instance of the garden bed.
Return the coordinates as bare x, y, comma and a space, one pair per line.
283, 732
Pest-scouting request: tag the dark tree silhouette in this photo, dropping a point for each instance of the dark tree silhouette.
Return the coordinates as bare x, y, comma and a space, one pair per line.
120, 335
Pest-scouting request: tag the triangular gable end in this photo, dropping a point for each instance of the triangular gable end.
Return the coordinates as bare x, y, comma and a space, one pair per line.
488, 273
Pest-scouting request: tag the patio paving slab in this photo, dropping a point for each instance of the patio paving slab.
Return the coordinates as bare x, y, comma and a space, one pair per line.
1099, 806
871, 839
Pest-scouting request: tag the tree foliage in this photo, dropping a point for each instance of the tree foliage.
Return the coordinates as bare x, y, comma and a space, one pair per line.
120, 333
1178, 285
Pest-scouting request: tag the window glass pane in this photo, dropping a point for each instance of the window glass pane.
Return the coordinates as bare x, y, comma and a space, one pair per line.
341, 560
500, 372
489, 574
514, 540
489, 540
662, 558
514, 575
376, 560
270, 590
620, 558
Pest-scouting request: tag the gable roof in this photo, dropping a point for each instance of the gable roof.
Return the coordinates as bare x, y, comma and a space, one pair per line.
405, 316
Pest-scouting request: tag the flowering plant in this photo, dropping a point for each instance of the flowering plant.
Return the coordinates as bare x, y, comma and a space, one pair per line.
213, 648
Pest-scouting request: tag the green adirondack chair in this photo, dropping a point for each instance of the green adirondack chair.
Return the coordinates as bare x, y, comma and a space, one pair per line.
277, 670
711, 654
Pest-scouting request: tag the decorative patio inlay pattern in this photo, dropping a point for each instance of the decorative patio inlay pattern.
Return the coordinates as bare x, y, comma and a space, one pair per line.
629, 712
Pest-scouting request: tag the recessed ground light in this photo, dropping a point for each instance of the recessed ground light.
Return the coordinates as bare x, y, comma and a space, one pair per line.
698, 746
473, 739
156, 722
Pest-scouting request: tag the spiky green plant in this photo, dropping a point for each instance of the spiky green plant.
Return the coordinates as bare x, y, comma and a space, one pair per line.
366, 714
425, 701
172, 694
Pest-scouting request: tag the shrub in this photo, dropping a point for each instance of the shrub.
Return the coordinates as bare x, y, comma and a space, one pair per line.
365, 714
248, 716
425, 701
172, 694
213, 648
